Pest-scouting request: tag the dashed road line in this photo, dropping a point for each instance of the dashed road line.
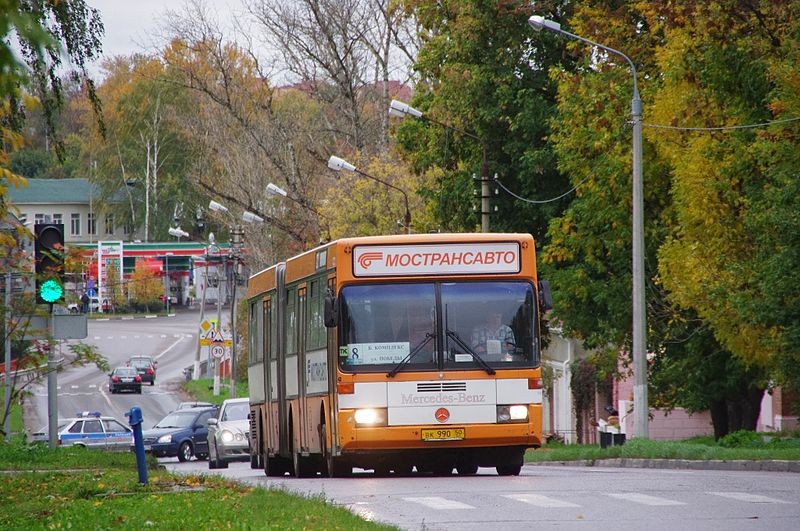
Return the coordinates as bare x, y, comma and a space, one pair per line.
539, 500
747, 497
644, 499
435, 502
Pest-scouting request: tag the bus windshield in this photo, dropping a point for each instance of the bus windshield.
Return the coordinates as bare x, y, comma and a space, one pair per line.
438, 326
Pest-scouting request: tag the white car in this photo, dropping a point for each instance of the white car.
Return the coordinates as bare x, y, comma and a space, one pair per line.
228, 438
94, 306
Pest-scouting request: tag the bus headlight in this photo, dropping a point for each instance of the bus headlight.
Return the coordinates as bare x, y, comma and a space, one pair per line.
516, 413
370, 417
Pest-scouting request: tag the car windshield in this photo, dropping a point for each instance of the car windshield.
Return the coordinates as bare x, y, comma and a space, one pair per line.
236, 411
443, 325
177, 420
125, 371
141, 363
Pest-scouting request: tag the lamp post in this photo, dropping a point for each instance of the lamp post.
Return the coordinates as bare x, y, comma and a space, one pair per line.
401, 110
167, 283
237, 242
337, 164
641, 411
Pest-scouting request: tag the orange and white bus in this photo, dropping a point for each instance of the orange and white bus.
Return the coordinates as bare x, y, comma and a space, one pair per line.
394, 352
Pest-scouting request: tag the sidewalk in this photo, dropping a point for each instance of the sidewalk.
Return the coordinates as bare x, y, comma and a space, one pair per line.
681, 464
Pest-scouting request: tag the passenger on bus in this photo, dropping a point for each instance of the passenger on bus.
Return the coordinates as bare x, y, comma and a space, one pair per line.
494, 339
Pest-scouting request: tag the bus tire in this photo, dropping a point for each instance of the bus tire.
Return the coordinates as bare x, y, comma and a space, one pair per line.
509, 470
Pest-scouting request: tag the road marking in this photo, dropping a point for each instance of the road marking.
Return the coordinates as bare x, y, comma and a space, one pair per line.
435, 502
163, 335
150, 336
110, 337
177, 335
123, 337
747, 497
136, 337
106, 319
74, 386
93, 386
150, 316
539, 501
169, 347
644, 499
127, 318
97, 337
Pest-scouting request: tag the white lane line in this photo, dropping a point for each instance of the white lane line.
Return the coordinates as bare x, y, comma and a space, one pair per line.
747, 497
644, 499
97, 337
110, 337
93, 386
74, 386
150, 336
106, 319
435, 502
169, 347
177, 335
539, 501
163, 335
136, 337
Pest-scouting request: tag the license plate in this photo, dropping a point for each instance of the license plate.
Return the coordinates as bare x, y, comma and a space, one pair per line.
443, 434
127, 380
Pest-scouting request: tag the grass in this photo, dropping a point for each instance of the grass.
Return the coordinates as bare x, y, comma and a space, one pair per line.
201, 391
89, 489
778, 447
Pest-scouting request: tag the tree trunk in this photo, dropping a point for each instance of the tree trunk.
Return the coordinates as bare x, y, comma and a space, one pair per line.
719, 418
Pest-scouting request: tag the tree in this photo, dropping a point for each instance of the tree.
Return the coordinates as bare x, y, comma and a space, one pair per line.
145, 287
47, 32
481, 72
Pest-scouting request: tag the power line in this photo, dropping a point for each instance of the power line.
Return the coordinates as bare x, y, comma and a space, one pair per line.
543, 201
722, 128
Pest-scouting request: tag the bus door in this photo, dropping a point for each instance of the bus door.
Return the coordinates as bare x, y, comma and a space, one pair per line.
267, 428
301, 418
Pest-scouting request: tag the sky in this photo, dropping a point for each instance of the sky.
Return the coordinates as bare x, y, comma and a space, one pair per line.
131, 24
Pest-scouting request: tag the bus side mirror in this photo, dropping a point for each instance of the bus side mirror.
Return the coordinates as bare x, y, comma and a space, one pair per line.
545, 296
331, 311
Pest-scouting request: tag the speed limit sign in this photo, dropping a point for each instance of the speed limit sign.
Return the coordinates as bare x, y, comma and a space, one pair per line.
217, 351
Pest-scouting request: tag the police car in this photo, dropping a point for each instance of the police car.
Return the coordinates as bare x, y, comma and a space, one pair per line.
91, 430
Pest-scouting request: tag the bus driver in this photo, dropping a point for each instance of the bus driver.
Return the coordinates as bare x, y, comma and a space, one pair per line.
494, 339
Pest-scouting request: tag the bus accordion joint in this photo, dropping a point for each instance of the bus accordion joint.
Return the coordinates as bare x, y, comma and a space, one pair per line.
347, 388
534, 383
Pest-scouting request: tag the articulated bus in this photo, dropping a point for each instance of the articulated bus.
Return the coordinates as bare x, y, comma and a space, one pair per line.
394, 352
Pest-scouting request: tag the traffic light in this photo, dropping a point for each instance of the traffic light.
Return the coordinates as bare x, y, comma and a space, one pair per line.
49, 262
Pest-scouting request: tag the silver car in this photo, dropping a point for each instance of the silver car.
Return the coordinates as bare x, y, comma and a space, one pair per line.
228, 433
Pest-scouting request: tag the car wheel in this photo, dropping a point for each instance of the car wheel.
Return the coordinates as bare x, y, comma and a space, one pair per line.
222, 464
152, 382
185, 451
139, 391
212, 463
467, 470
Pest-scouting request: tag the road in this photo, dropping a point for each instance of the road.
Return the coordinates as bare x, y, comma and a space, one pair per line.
541, 497
549, 497
170, 340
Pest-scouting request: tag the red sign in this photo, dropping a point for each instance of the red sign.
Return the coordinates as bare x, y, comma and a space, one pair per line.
442, 414
442, 259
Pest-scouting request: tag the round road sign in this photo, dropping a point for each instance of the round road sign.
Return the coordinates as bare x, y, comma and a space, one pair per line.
217, 351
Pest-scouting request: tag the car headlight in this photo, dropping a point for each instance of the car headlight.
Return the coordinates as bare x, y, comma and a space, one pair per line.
226, 436
370, 417
516, 413
165, 439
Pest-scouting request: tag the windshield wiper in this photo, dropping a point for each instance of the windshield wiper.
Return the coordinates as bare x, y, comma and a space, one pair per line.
480, 361
407, 359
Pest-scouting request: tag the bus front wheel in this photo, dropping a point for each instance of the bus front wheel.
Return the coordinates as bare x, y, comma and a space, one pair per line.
509, 470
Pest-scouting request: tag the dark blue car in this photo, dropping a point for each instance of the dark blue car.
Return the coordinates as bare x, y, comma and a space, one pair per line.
182, 433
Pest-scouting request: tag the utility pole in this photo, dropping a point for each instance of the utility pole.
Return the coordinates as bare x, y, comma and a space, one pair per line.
237, 242
7, 345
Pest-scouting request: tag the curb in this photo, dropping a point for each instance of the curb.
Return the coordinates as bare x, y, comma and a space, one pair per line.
681, 464
132, 317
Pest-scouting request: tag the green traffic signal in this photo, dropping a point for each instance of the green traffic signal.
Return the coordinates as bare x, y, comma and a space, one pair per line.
50, 290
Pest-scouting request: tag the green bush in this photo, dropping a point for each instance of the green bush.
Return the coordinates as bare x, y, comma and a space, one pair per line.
742, 439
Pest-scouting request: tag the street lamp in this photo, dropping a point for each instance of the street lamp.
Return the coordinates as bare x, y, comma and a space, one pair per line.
401, 110
177, 232
337, 164
641, 411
